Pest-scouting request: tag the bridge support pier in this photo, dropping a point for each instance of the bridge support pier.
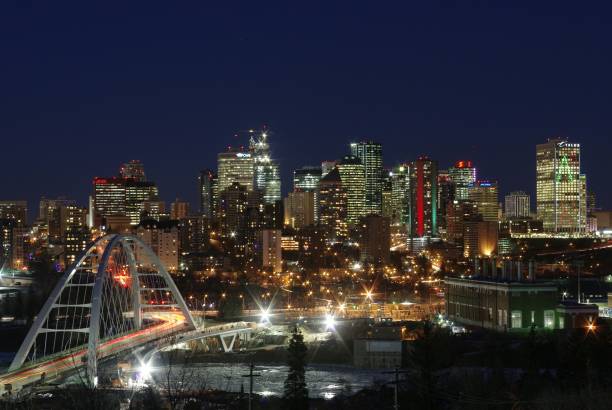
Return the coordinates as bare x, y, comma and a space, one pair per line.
228, 348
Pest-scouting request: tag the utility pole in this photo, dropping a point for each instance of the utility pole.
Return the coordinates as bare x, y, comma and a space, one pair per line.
396, 383
251, 375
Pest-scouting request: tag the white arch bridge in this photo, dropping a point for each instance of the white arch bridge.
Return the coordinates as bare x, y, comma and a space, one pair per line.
117, 297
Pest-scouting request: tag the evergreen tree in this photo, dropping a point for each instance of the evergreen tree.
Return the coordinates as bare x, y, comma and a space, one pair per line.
296, 392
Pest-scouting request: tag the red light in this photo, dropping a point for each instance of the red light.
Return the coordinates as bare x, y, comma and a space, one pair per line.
464, 164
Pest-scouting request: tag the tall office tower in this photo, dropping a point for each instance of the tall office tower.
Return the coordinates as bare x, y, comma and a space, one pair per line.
370, 154
155, 210
235, 166
518, 205
179, 209
299, 209
307, 179
109, 197
136, 194
353, 180
334, 204
206, 181
561, 188
446, 196
133, 170
375, 240
463, 174
387, 195
327, 167
14, 210
423, 198
485, 195
267, 173
400, 186
49, 217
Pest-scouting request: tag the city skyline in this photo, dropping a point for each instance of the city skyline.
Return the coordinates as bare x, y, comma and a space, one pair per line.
448, 82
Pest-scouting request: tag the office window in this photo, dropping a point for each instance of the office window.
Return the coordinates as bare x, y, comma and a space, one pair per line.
517, 319
549, 319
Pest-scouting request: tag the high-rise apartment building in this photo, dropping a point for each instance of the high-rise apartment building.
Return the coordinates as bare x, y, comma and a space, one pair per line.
14, 210
235, 166
207, 181
561, 188
352, 175
463, 174
375, 239
333, 200
266, 173
400, 188
370, 154
179, 209
517, 205
299, 209
485, 195
272, 257
423, 198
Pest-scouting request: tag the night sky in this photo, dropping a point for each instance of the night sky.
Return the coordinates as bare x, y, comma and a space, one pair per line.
87, 85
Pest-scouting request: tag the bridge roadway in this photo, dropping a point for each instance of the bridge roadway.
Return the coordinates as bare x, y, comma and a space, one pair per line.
171, 331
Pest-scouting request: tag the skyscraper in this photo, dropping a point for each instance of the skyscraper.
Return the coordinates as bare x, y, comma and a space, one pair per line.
235, 165
352, 174
307, 179
485, 195
267, 172
333, 199
179, 209
424, 197
561, 188
517, 205
370, 154
463, 174
400, 187
206, 182
299, 209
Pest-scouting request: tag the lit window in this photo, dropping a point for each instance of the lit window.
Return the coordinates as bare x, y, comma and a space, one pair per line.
517, 319
549, 319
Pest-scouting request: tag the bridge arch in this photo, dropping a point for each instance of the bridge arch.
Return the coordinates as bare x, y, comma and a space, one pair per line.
118, 293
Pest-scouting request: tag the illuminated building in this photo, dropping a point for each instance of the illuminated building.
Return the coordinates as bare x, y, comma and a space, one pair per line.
446, 196
485, 195
307, 179
207, 181
333, 201
299, 209
479, 238
375, 239
14, 210
463, 174
387, 196
75, 234
457, 213
133, 170
423, 198
233, 204
154, 210
400, 187
179, 209
49, 217
266, 173
561, 188
370, 154
235, 166
518, 205
136, 194
327, 167
352, 175
163, 238
109, 197
13, 240
271, 248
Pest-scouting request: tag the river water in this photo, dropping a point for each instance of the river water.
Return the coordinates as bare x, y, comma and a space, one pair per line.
323, 381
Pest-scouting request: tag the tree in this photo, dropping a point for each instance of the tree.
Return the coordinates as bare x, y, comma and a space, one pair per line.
296, 392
